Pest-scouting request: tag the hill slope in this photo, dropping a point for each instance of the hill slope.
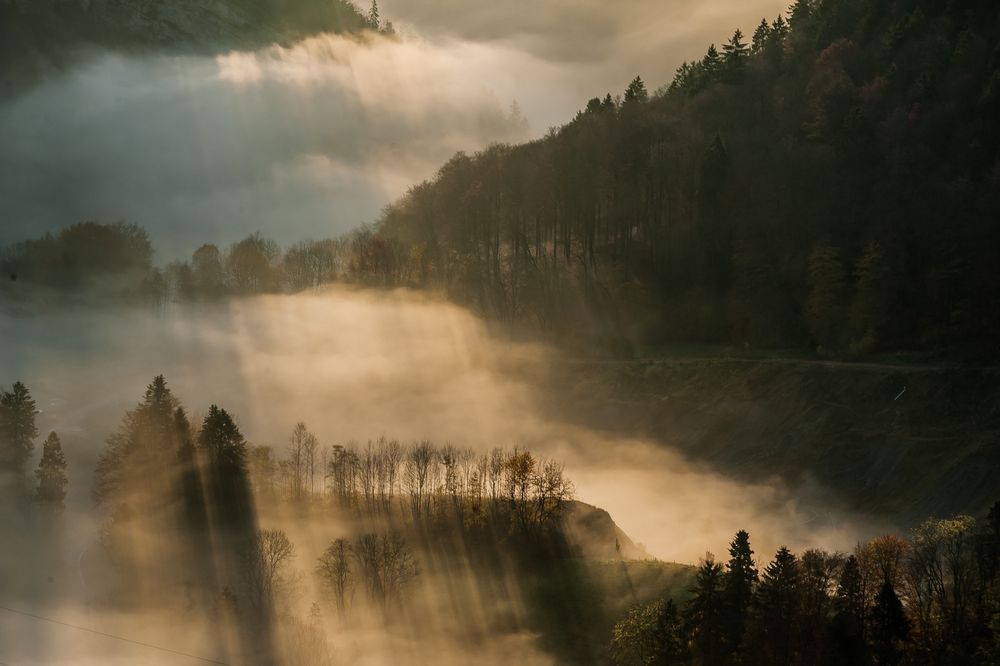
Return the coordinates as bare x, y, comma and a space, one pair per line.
894, 440
830, 184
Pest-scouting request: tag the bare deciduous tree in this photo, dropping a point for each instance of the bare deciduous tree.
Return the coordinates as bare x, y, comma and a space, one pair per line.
387, 567
265, 558
334, 570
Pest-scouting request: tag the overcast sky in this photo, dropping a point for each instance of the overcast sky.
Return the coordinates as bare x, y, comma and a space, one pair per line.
312, 140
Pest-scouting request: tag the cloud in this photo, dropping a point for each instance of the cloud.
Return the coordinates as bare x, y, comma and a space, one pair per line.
298, 142
603, 44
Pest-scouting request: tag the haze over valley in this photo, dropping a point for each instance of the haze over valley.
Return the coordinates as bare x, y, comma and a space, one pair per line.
438, 332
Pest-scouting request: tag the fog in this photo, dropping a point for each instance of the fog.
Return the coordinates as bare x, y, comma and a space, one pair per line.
311, 140
357, 364
354, 365
302, 142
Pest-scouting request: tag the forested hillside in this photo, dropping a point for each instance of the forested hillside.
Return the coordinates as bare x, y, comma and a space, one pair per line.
830, 182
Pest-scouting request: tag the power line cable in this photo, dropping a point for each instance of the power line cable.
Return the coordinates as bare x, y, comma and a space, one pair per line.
113, 636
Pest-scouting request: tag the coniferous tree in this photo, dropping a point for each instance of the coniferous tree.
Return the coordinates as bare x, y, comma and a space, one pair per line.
226, 448
889, 625
760, 38
741, 577
775, 45
704, 614
712, 63
734, 55
221, 437
51, 474
17, 428
847, 630
800, 14
636, 91
135, 458
776, 609
682, 78
373, 18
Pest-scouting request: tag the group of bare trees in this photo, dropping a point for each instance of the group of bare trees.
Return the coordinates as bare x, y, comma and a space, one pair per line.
424, 478
382, 563
384, 474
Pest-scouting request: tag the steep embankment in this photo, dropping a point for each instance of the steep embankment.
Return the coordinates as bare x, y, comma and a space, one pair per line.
893, 440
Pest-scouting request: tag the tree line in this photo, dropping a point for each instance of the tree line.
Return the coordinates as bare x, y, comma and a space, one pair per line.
180, 498
929, 599
420, 480
115, 260
93, 260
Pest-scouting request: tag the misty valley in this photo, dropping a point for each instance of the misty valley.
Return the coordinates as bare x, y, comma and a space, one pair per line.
334, 334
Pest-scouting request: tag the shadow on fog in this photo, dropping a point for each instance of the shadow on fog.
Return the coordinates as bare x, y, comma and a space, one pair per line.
353, 364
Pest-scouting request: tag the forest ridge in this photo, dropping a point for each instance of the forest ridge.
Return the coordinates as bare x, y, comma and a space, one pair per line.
829, 182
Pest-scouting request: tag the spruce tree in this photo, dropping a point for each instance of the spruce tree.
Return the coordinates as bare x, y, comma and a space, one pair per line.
51, 474
712, 62
890, 626
776, 39
226, 449
800, 13
222, 438
636, 91
705, 612
682, 77
760, 37
136, 456
741, 577
777, 606
734, 55
850, 598
17, 429
847, 630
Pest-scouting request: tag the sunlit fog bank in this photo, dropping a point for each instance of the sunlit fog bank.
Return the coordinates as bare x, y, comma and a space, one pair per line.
354, 365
